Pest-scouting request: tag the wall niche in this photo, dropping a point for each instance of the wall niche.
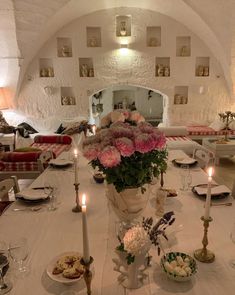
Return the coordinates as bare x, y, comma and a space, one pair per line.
86, 68
64, 47
93, 35
46, 68
123, 25
202, 67
162, 67
153, 35
181, 95
67, 96
183, 46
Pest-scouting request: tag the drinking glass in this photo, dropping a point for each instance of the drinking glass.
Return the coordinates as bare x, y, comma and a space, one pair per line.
19, 252
232, 236
184, 175
5, 286
51, 190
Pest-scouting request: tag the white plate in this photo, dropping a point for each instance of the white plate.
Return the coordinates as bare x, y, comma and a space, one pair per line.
59, 278
60, 162
185, 161
32, 194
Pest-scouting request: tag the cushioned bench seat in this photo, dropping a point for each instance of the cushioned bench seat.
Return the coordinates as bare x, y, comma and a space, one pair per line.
30, 164
181, 143
206, 131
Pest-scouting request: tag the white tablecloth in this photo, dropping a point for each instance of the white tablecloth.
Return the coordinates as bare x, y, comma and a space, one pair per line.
51, 233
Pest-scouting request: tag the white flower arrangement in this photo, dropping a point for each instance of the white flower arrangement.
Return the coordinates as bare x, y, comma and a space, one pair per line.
136, 240
139, 237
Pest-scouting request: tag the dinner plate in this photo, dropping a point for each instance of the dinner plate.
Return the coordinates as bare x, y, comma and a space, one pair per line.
59, 277
32, 195
213, 196
60, 163
185, 161
32, 201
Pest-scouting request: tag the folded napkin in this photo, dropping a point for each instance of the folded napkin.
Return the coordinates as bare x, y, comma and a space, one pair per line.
32, 194
215, 190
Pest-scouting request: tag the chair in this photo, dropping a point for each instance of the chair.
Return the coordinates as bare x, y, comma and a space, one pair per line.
6, 185
204, 157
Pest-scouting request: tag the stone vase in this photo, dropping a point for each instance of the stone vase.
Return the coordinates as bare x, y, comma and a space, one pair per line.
128, 204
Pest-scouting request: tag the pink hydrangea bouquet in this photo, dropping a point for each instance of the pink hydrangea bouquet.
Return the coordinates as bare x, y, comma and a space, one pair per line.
133, 117
129, 156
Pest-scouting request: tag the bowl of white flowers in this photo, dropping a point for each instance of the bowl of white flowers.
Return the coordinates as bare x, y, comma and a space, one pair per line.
178, 266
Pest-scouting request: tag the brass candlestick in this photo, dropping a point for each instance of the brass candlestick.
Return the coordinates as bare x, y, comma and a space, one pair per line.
162, 179
87, 274
227, 117
78, 207
205, 255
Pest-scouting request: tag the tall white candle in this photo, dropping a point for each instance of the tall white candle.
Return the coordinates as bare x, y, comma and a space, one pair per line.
76, 165
94, 129
86, 253
208, 195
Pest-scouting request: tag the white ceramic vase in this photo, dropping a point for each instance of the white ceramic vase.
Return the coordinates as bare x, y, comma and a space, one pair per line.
128, 204
132, 275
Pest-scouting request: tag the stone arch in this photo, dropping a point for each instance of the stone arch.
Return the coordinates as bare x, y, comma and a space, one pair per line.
97, 89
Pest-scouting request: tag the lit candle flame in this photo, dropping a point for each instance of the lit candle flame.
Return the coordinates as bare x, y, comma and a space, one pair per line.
83, 200
75, 152
210, 171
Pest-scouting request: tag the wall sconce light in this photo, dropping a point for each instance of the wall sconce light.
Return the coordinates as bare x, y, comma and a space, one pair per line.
124, 49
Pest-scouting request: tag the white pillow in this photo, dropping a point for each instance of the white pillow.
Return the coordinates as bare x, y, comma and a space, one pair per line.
217, 125
174, 130
232, 125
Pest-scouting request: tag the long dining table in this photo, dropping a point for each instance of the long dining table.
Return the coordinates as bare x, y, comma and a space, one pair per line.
50, 233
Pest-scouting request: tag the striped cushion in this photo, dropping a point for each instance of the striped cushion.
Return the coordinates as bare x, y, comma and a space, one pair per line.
59, 139
56, 148
20, 157
18, 166
205, 130
178, 138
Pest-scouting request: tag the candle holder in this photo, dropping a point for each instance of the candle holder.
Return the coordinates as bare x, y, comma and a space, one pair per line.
78, 207
205, 255
87, 274
227, 117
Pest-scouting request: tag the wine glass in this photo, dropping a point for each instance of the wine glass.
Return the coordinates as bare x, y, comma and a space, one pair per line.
4, 286
50, 188
232, 236
184, 173
19, 252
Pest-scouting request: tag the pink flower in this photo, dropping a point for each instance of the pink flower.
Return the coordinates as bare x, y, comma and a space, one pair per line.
144, 143
117, 117
125, 113
91, 152
146, 127
141, 119
136, 117
125, 146
160, 139
109, 157
121, 132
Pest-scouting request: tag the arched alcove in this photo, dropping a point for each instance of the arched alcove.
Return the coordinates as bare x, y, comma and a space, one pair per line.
151, 103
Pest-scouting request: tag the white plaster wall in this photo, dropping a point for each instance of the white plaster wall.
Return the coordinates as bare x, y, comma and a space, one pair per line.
137, 69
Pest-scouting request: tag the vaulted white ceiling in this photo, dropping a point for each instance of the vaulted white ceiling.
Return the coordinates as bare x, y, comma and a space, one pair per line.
25, 25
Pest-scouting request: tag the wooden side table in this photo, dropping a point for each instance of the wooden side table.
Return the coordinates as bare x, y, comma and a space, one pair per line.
8, 140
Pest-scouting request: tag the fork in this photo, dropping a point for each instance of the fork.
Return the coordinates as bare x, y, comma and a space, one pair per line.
34, 209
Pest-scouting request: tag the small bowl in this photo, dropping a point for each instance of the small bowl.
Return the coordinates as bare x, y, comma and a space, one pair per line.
98, 177
169, 257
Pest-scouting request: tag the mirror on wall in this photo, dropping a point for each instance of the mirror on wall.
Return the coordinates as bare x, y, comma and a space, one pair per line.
148, 102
